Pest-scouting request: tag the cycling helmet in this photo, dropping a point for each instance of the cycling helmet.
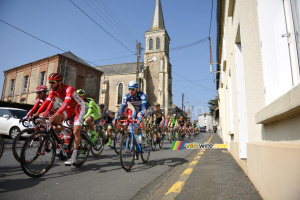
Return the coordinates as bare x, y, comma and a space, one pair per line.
81, 92
101, 105
174, 115
41, 88
133, 84
168, 117
55, 77
181, 117
156, 104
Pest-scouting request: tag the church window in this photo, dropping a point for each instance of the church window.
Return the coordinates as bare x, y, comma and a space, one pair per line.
157, 43
150, 44
120, 93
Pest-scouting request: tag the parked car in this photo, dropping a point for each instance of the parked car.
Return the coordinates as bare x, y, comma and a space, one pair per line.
202, 129
9, 121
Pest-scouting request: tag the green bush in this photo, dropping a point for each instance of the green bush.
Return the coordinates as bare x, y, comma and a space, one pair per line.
16, 105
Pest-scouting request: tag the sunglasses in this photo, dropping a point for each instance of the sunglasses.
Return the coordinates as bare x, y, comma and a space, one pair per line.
52, 82
132, 89
39, 92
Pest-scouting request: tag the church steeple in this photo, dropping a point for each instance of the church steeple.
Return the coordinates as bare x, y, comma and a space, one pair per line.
158, 18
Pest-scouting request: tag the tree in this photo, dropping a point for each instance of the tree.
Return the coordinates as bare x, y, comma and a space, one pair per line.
213, 104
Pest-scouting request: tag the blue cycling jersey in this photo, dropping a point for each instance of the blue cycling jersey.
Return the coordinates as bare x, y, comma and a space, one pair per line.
139, 101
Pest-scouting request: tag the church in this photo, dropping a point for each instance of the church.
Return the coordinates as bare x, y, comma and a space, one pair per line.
153, 74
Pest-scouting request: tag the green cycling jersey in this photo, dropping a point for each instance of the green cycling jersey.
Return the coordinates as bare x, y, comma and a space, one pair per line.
92, 109
173, 121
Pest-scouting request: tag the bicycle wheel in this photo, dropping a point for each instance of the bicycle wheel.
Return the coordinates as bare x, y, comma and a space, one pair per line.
127, 152
38, 154
117, 141
17, 144
146, 148
161, 141
83, 150
98, 145
153, 142
2, 145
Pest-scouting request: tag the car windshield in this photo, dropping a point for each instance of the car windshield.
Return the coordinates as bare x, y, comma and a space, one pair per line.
18, 113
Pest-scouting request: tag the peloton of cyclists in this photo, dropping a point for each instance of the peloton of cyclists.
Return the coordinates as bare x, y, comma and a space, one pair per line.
107, 119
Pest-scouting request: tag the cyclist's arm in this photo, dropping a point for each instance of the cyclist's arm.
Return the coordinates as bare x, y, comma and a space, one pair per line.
144, 104
122, 107
46, 104
90, 109
33, 109
69, 93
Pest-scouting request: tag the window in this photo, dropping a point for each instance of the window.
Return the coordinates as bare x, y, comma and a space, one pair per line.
157, 43
42, 78
23, 101
11, 87
25, 83
150, 44
120, 93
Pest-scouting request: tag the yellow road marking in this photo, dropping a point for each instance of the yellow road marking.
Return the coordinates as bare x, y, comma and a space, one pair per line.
193, 163
187, 171
197, 158
201, 153
176, 188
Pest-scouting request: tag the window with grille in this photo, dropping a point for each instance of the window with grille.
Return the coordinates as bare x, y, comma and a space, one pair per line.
25, 83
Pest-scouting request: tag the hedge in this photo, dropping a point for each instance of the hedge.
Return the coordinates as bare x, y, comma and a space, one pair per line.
16, 105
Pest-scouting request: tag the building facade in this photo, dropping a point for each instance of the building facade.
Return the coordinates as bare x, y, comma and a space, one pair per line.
259, 91
20, 82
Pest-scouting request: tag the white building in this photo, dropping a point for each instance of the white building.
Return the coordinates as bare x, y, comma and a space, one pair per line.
259, 91
206, 120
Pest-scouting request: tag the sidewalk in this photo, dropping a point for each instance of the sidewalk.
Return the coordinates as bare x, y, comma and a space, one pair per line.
216, 175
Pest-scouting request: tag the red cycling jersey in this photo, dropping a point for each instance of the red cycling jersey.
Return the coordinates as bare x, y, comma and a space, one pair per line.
37, 105
67, 100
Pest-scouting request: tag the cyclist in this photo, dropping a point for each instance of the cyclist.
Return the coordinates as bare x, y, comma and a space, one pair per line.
92, 114
188, 126
72, 105
139, 101
181, 123
172, 124
159, 117
194, 125
41, 95
107, 119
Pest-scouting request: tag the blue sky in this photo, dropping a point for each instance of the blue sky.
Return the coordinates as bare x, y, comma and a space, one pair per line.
62, 24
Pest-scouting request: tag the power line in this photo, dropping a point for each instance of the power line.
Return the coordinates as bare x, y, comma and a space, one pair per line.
54, 46
193, 82
189, 97
191, 44
117, 20
101, 26
110, 23
114, 58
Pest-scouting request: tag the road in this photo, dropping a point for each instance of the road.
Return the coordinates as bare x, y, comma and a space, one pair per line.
98, 178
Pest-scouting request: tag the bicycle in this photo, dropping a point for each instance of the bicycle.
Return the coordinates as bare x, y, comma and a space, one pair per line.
129, 147
98, 144
30, 129
2, 146
122, 124
39, 150
158, 140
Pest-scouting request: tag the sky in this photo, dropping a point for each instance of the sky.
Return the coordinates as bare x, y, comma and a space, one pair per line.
105, 32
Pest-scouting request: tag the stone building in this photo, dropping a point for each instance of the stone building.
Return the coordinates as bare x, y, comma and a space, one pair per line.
153, 75
20, 82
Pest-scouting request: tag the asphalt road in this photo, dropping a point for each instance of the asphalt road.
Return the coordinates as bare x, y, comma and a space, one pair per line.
98, 178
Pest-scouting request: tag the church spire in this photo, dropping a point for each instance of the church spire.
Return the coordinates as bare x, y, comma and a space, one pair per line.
158, 19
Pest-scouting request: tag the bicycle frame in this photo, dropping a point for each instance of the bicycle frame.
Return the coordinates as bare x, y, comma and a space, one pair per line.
133, 139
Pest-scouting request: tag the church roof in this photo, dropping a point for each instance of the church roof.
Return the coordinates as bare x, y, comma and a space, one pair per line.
122, 68
72, 56
158, 18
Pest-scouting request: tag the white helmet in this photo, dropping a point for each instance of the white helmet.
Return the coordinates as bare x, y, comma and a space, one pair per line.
133, 84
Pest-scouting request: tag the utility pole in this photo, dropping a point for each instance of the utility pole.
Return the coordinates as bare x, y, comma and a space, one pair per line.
138, 62
182, 103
